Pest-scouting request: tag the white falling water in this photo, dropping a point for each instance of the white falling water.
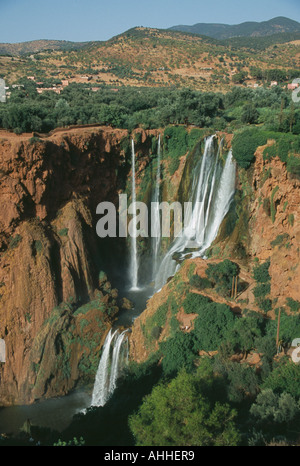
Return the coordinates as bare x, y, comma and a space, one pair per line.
134, 266
100, 387
109, 367
212, 192
116, 360
155, 215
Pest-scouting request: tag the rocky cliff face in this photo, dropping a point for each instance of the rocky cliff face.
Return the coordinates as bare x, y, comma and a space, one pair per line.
50, 260
275, 225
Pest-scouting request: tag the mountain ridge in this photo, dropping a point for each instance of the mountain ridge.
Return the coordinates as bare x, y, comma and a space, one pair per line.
222, 31
276, 27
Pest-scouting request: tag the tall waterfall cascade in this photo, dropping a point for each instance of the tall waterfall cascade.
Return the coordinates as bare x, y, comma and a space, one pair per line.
155, 215
113, 359
134, 264
212, 192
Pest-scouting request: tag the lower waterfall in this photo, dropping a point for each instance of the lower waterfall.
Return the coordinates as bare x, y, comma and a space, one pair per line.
114, 357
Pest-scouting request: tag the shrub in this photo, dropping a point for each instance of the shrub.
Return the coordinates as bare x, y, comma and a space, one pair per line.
272, 205
199, 282
243, 335
221, 274
267, 206
193, 303
15, 241
291, 219
265, 304
155, 332
293, 304
262, 290
285, 378
279, 239
261, 272
250, 114
63, 232
293, 165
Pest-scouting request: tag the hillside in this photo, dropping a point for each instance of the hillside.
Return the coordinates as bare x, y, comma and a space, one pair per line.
153, 57
247, 29
34, 46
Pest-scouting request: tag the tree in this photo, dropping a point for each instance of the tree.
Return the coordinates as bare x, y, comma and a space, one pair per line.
178, 352
261, 272
179, 414
222, 274
285, 378
272, 407
239, 77
212, 326
244, 333
250, 114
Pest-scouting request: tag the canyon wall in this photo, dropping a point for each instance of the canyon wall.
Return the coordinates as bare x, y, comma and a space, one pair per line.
56, 304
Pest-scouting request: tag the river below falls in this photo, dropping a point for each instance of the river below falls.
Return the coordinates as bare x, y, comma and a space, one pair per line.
55, 413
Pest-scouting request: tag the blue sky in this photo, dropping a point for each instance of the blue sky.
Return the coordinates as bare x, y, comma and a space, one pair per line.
83, 20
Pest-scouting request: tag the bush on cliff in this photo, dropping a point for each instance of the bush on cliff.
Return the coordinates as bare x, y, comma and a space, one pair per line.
221, 275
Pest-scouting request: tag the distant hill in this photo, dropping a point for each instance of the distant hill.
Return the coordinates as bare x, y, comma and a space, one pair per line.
248, 29
34, 46
144, 57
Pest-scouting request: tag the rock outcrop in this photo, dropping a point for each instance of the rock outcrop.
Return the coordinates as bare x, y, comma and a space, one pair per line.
50, 259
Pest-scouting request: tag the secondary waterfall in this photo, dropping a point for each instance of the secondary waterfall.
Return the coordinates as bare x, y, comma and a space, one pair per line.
114, 357
155, 215
212, 191
133, 249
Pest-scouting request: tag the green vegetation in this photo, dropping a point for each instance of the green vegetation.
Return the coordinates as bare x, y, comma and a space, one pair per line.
263, 287
194, 302
201, 283
221, 275
293, 304
272, 204
279, 240
63, 232
261, 272
212, 326
15, 241
181, 413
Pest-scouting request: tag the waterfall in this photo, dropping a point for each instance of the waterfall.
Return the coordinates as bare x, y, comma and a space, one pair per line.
133, 249
116, 362
100, 387
155, 215
111, 362
212, 191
